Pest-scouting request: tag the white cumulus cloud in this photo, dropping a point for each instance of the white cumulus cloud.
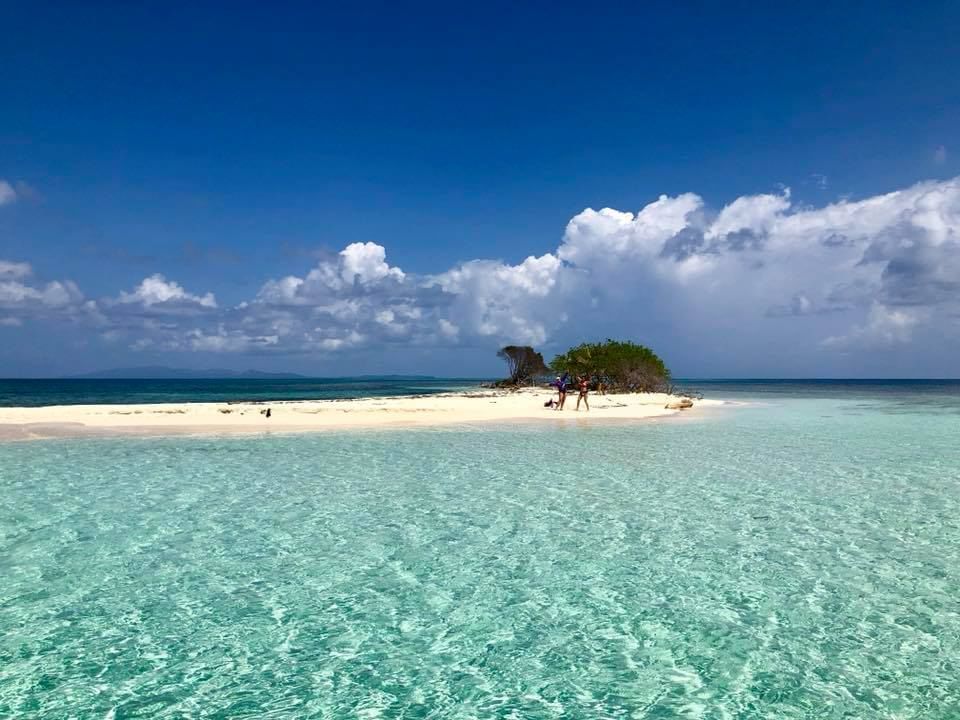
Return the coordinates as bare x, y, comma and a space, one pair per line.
156, 289
16, 292
760, 277
366, 263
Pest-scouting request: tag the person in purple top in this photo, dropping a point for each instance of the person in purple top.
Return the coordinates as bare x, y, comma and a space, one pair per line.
562, 384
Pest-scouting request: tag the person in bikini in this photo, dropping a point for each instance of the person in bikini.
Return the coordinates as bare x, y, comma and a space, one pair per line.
583, 385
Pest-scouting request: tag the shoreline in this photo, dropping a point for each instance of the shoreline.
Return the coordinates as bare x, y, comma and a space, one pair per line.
296, 416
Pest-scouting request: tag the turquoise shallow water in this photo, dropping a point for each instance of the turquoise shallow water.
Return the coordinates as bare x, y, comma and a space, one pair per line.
795, 559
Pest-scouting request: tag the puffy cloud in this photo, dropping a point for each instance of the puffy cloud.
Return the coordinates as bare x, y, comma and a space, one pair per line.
159, 314
357, 298
519, 303
448, 329
366, 263
157, 290
598, 239
884, 265
351, 339
345, 301
359, 268
755, 214
758, 276
22, 299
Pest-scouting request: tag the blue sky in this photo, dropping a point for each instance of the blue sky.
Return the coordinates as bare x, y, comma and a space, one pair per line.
399, 165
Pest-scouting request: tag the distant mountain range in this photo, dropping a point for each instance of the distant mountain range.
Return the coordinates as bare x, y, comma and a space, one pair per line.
158, 372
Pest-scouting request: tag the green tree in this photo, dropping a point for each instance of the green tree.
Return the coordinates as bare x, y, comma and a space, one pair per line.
621, 366
523, 363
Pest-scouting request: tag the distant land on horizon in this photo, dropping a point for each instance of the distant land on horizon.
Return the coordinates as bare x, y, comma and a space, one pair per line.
160, 372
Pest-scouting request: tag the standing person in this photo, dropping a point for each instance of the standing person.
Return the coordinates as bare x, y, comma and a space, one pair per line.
584, 386
564, 384
555, 384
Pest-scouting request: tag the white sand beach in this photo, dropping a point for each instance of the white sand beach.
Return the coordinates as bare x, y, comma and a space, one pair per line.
26, 423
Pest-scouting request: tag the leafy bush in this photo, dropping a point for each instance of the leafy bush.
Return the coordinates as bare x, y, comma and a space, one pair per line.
620, 366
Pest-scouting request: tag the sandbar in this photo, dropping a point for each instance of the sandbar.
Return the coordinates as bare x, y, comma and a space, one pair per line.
482, 405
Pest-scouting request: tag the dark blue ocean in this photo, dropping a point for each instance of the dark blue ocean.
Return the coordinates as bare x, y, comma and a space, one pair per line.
36, 392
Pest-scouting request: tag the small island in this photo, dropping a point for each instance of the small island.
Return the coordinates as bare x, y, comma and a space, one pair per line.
611, 367
624, 381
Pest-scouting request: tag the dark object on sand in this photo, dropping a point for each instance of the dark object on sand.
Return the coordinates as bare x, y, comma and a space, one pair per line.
268, 412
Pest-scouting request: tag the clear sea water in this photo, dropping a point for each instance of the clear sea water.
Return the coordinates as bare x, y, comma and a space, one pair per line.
794, 557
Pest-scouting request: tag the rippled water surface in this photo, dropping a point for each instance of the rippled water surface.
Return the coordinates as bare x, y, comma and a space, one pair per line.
795, 559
